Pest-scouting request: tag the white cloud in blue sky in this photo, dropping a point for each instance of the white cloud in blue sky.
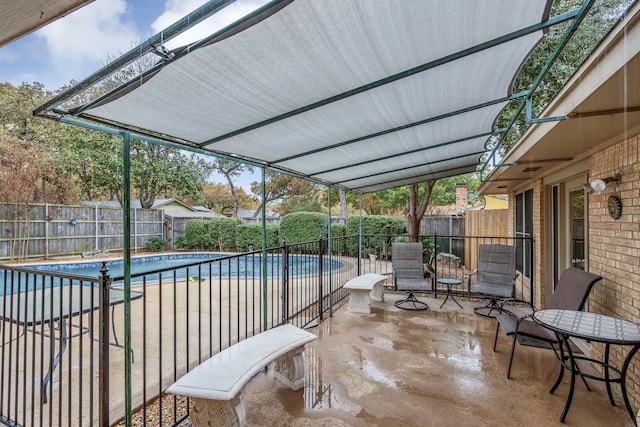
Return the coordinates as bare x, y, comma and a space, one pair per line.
74, 47
77, 45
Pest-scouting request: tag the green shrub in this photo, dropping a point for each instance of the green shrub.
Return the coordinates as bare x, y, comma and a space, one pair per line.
222, 232
180, 242
155, 244
338, 230
197, 235
249, 236
376, 230
300, 227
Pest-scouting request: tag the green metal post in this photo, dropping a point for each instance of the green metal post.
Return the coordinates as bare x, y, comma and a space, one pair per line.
360, 239
264, 248
126, 204
329, 253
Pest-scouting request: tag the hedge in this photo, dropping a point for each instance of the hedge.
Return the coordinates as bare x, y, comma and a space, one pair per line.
197, 235
218, 234
249, 237
300, 227
377, 227
223, 233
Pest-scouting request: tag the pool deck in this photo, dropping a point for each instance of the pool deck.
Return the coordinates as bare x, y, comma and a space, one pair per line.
424, 368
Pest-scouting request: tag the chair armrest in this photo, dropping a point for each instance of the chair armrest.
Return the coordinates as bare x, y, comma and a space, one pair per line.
522, 318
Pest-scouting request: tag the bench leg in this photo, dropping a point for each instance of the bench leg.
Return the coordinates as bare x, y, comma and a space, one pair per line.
289, 369
377, 293
223, 413
359, 301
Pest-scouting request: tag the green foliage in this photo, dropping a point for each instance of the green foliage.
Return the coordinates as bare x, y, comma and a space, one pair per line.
377, 227
197, 235
598, 22
217, 234
155, 244
223, 232
180, 242
281, 187
299, 227
249, 236
338, 230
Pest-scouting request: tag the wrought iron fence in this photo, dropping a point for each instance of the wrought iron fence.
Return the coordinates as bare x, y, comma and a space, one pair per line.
63, 360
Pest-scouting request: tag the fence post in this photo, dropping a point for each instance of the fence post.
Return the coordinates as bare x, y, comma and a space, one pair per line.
320, 280
530, 239
285, 281
103, 367
435, 265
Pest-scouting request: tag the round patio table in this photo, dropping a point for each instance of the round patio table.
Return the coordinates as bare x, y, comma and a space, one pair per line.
595, 328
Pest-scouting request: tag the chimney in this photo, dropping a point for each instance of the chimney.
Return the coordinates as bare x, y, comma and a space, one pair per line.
461, 197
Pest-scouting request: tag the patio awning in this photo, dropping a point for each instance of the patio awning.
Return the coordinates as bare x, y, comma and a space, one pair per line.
19, 18
363, 95
602, 105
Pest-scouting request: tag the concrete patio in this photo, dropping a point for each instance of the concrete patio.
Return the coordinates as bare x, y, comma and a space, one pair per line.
434, 367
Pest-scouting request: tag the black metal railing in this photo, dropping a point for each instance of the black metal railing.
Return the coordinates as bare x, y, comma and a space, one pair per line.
62, 360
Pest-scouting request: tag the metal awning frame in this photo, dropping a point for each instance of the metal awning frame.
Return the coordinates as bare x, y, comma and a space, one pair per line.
54, 108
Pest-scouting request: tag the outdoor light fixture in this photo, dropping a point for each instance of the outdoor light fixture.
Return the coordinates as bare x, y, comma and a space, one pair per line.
587, 188
599, 184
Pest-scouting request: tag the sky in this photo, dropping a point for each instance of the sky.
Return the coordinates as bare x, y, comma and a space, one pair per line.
77, 45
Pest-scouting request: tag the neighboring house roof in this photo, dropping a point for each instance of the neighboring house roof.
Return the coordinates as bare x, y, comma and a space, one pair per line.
248, 213
495, 202
202, 208
159, 204
195, 215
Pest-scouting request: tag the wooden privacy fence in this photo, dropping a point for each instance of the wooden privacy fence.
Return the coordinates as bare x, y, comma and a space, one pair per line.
489, 223
47, 230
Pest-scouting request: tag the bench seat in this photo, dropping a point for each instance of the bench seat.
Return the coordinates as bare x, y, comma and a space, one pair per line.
217, 384
363, 289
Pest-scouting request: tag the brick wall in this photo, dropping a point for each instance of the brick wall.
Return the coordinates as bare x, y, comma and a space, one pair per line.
538, 244
614, 246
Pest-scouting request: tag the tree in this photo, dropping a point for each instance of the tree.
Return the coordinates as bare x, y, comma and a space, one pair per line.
21, 172
230, 170
280, 186
444, 192
596, 25
337, 197
158, 170
217, 197
417, 202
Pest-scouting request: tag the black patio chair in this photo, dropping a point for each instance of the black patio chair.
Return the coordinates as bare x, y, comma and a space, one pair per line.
571, 293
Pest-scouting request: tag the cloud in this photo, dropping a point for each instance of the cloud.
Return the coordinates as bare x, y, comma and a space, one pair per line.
176, 9
81, 42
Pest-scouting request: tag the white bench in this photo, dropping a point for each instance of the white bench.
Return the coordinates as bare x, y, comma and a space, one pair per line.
217, 384
364, 289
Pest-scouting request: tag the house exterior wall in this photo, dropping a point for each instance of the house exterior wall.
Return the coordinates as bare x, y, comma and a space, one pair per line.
614, 246
539, 203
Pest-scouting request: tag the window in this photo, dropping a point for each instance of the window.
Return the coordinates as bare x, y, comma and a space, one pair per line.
524, 231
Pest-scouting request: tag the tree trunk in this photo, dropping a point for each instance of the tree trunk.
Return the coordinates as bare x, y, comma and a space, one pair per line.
343, 206
415, 210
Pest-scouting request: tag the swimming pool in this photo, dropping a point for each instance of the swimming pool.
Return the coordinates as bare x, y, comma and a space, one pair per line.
194, 267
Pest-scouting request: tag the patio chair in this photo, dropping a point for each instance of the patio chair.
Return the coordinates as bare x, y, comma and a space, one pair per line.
496, 277
410, 274
571, 293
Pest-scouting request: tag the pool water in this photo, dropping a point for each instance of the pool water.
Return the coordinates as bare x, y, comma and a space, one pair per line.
150, 267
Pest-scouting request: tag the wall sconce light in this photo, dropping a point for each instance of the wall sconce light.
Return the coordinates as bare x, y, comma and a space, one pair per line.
599, 184
587, 188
